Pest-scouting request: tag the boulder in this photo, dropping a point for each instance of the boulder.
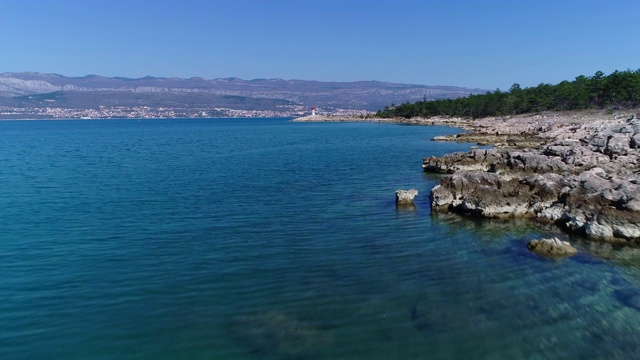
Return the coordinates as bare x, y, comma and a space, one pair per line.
441, 197
552, 248
405, 196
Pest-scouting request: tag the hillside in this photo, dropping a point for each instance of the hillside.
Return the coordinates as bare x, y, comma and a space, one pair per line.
32, 90
618, 90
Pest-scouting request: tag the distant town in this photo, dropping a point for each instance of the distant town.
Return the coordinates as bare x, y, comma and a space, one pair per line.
146, 112
32, 95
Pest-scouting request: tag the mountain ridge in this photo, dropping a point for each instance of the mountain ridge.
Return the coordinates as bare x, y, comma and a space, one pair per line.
19, 89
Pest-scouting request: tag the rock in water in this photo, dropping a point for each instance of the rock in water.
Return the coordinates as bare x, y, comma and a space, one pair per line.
405, 196
552, 248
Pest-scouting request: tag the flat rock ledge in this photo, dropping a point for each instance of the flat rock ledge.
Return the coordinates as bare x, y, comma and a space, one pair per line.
584, 177
406, 196
552, 248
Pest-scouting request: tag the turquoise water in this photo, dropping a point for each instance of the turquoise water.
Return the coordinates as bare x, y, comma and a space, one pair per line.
266, 239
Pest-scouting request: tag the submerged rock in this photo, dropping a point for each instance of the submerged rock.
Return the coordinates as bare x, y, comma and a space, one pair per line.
420, 322
552, 248
629, 297
405, 196
278, 334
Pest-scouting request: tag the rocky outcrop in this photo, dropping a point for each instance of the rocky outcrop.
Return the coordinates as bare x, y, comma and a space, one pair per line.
491, 195
552, 248
585, 180
405, 196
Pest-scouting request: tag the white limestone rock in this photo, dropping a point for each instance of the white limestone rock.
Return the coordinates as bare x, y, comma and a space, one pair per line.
405, 196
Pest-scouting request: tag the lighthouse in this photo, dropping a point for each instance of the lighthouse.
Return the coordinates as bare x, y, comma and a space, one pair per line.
313, 111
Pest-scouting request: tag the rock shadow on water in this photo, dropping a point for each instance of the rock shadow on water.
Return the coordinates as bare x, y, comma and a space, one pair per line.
419, 319
622, 255
278, 335
584, 258
629, 297
491, 230
406, 208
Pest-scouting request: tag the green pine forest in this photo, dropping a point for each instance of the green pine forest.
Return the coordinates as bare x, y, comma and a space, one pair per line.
618, 90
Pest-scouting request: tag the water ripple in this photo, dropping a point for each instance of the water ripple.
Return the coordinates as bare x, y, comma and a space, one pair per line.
235, 239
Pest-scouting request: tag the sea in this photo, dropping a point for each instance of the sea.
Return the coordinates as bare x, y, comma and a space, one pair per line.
271, 239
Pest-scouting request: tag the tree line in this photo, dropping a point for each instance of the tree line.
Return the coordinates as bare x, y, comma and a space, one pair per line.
620, 89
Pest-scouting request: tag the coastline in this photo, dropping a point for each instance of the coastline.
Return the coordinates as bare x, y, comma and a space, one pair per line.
579, 170
336, 118
465, 124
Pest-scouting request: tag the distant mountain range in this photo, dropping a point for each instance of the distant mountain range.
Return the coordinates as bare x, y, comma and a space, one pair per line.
32, 89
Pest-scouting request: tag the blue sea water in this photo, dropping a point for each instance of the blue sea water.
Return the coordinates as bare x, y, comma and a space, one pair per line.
267, 239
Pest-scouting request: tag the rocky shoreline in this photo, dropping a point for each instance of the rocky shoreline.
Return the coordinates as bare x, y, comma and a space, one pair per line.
577, 170
455, 122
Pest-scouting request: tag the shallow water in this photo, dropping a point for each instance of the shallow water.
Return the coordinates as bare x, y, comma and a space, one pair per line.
262, 238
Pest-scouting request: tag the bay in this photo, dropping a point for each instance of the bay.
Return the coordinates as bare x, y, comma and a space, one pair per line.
263, 238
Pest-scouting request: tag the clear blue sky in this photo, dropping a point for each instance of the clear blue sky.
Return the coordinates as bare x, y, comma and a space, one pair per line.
487, 44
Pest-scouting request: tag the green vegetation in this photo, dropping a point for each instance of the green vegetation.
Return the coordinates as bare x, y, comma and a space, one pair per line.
620, 89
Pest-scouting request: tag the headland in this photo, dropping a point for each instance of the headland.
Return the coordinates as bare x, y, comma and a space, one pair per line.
337, 118
579, 170
446, 121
